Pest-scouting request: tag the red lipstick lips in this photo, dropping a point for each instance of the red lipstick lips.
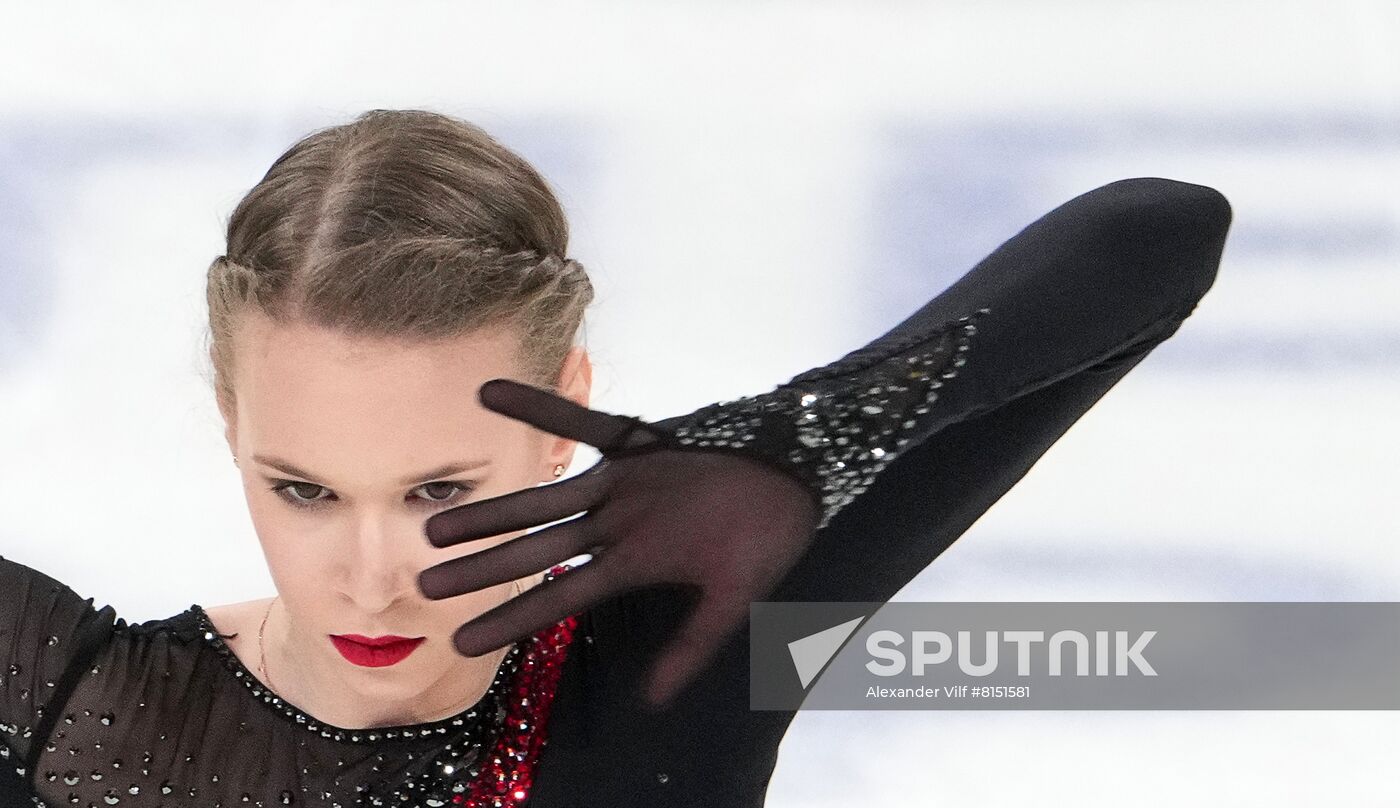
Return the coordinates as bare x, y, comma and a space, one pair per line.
375, 652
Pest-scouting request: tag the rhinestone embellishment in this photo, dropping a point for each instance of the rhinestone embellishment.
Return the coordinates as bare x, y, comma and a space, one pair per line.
489, 754
483, 757
837, 427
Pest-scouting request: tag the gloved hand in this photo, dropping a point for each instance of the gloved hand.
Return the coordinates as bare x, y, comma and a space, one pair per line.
727, 525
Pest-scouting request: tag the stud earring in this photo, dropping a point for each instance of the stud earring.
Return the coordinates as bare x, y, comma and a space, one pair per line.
558, 469
235, 460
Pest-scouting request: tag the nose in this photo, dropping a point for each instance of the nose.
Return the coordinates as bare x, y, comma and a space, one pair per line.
378, 562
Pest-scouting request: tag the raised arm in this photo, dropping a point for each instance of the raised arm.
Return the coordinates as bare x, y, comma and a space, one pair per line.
884, 456
905, 442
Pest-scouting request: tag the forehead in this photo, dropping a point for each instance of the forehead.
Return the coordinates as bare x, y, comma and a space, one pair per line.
299, 383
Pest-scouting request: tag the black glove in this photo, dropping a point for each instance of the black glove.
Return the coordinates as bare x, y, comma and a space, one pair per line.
723, 500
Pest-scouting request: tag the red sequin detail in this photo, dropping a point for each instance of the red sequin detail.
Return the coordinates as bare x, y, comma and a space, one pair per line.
505, 778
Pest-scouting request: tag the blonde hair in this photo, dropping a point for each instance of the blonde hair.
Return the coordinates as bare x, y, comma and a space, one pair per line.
405, 225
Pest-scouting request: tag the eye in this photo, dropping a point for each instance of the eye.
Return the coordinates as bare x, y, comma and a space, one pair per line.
309, 495
288, 491
451, 493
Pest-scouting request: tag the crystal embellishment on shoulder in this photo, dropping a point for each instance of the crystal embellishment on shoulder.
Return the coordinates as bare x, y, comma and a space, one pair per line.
483, 757
837, 427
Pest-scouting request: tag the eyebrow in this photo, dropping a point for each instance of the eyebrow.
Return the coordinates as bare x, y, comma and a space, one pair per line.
427, 476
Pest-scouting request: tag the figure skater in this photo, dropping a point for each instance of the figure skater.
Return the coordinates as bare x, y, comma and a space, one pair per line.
392, 335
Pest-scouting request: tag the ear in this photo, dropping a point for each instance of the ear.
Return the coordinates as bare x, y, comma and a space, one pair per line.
576, 384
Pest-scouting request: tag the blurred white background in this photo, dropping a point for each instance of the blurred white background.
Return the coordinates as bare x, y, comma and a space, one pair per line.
758, 188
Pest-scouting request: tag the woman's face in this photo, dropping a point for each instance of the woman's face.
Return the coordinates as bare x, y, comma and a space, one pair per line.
346, 447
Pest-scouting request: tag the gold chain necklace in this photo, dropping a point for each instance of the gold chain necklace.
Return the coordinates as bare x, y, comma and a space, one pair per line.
262, 652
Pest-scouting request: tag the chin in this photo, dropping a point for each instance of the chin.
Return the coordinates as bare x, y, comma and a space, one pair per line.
396, 683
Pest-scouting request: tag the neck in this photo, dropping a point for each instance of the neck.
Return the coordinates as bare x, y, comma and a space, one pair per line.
320, 689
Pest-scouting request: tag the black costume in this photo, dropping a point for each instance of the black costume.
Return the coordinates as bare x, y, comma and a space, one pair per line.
905, 442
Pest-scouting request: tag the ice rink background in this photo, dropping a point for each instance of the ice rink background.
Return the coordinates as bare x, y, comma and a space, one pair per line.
757, 189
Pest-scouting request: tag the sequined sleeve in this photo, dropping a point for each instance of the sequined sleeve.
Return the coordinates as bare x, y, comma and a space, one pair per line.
836, 427
1089, 280
47, 633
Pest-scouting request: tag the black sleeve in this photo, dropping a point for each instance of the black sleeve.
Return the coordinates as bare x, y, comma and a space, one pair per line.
47, 635
906, 441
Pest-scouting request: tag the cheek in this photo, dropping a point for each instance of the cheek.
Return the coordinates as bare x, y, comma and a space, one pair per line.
298, 571
293, 546
279, 530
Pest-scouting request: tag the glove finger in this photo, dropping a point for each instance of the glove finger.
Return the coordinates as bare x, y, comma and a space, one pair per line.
508, 561
518, 510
